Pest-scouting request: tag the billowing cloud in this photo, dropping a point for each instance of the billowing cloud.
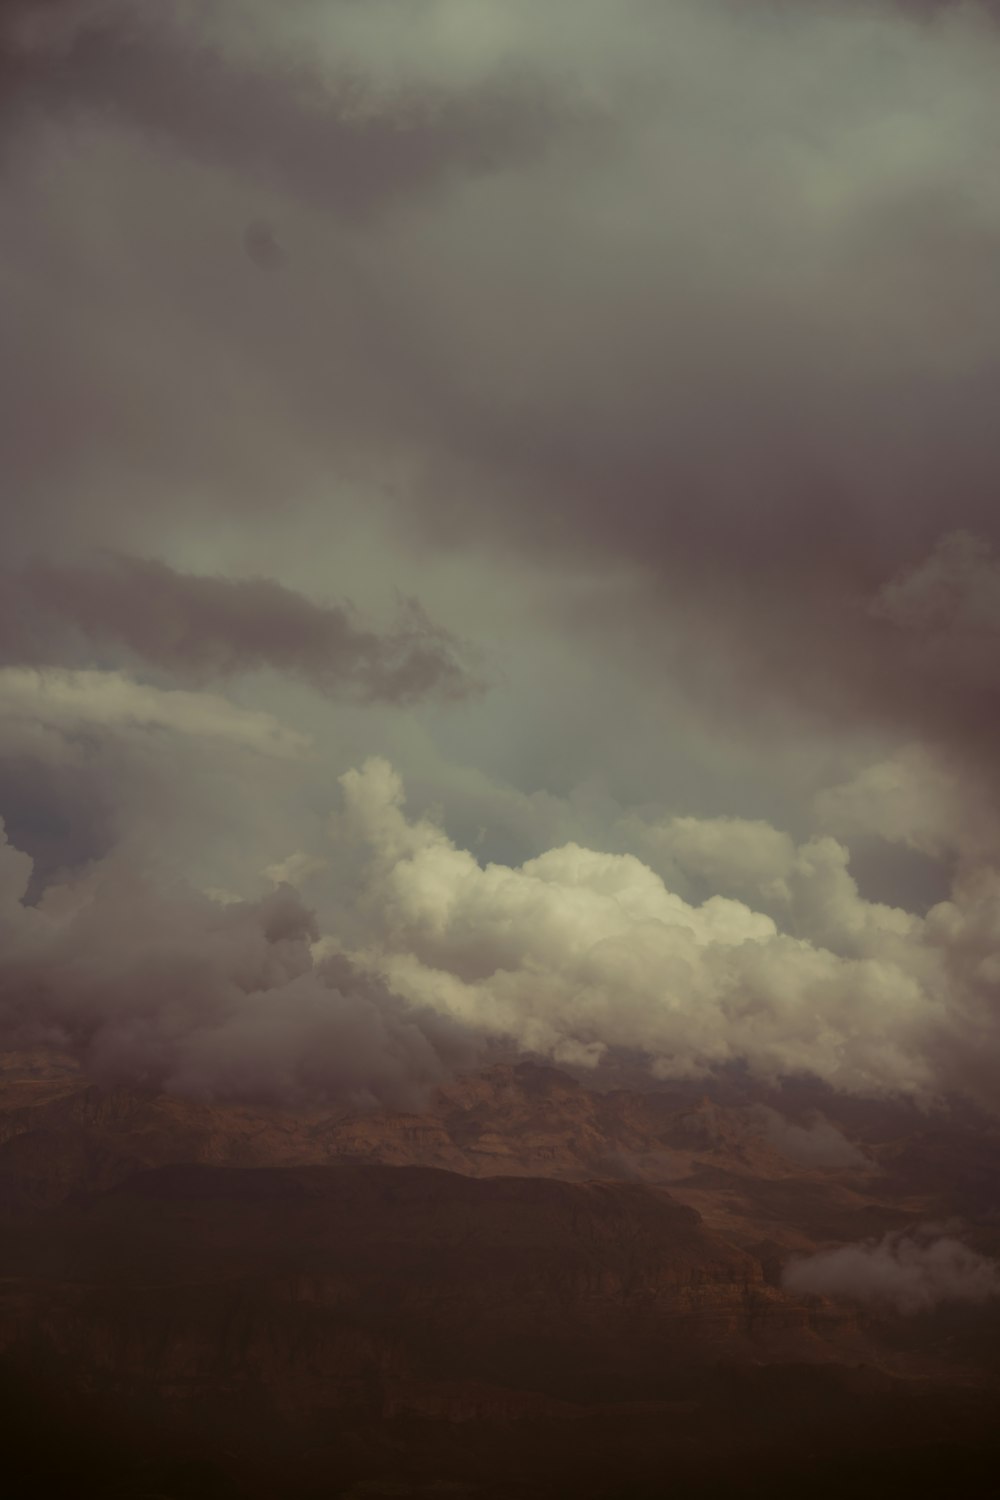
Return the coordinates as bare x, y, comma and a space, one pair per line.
91, 761
742, 855
158, 985
657, 347
576, 951
574, 954
201, 629
916, 799
911, 1271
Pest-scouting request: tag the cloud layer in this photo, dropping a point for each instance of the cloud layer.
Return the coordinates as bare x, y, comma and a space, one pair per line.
203, 629
577, 951
655, 348
160, 986
910, 1272
660, 289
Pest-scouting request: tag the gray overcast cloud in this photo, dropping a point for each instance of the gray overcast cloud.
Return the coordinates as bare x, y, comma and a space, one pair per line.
576, 418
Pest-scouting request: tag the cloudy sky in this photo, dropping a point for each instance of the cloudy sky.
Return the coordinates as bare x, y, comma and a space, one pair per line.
500, 539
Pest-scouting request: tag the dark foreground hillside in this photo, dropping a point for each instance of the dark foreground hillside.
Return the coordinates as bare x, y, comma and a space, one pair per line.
318, 1322
371, 1331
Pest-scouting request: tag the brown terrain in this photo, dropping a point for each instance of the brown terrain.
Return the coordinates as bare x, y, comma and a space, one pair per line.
533, 1287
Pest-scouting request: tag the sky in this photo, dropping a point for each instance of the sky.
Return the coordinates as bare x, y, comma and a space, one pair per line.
500, 542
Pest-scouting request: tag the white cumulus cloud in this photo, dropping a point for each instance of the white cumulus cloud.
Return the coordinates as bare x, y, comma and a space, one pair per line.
577, 951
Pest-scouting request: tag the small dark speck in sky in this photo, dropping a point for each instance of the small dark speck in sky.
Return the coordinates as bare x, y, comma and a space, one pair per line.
263, 247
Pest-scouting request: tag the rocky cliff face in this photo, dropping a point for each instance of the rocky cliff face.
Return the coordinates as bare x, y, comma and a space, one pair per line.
304, 1302
720, 1154
367, 1295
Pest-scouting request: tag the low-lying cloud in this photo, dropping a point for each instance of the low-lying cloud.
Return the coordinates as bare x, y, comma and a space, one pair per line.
152, 983
576, 954
816, 1144
911, 1272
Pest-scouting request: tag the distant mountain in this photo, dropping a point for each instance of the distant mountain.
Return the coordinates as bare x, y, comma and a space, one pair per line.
798, 1166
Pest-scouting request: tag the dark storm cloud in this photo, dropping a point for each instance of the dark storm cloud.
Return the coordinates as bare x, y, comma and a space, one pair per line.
318, 134
138, 358
692, 307
201, 629
263, 246
781, 395
64, 816
741, 338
